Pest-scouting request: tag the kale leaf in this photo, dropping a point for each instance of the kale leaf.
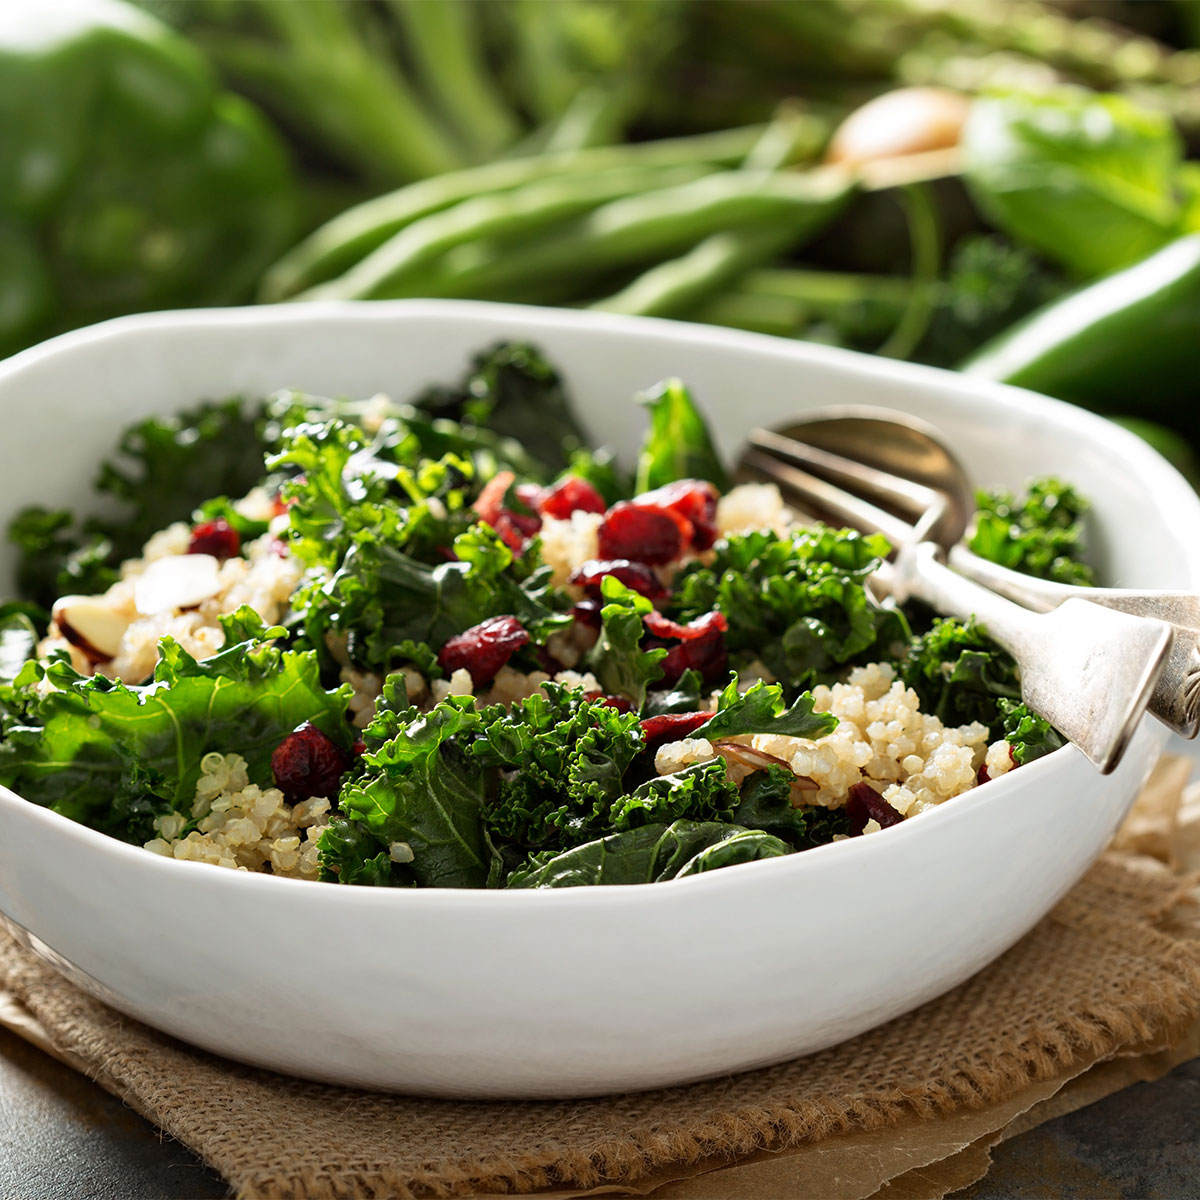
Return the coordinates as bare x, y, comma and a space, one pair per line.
421, 788
511, 390
761, 709
169, 465
620, 665
798, 600
960, 675
766, 803
99, 751
649, 854
1028, 735
1040, 534
699, 792
678, 444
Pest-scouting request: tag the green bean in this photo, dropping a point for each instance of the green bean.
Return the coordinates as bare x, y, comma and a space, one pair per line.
397, 264
445, 43
760, 314
637, 229
354, 233
671, 288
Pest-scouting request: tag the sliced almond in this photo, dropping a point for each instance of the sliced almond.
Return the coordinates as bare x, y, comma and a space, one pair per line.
176, 581
760, 760
914, 120
92, 624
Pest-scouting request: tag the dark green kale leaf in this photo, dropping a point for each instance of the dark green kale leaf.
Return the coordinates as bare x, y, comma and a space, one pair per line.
421, 788
620, 665
1039, 534
94, 749
514, 392
761, 709
400, 601
169, 466
684, 697
1028, 735
350, 853
798, 601
959, 674
561, 762
766, 803
678, 444
699, 792
648, 855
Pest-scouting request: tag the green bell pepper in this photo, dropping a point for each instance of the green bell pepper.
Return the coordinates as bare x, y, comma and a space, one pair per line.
1128, 343
128, 180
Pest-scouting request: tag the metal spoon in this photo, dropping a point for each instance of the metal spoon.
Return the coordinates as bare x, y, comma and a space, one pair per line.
901, 461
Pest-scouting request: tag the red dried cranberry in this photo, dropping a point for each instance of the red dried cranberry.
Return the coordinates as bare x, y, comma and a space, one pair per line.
514, 528
634, 575
702, 627
645, 535
693, 499
587, 612
866, 804
359, 748
671, 727
307, 763
570, 494
484, 648
217, 538
617, 702
982, 776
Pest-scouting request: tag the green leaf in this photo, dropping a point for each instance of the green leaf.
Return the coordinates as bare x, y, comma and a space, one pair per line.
1089, 180
766, 803
648, 855
798, 601
1028, 735
684, 697
959, 674
699, 792
617, 660
349, 853
678, 444
1040, 533
761, 709
420, 787
89, 746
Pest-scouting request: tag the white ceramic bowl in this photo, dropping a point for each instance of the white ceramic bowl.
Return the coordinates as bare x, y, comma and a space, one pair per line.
590, 990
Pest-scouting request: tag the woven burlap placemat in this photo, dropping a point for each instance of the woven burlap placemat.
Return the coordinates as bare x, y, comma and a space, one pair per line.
1114, 969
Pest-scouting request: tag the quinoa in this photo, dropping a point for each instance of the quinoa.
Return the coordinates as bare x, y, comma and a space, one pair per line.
240, 825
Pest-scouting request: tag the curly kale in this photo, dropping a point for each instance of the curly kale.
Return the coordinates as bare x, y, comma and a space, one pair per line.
798, 601
1040, 534
168, 466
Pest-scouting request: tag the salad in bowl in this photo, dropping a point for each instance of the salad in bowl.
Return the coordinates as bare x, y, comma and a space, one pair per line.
444, 642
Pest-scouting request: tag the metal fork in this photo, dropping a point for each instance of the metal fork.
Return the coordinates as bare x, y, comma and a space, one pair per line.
1090, 671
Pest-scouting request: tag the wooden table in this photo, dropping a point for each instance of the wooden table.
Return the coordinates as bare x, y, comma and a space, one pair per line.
64, 1138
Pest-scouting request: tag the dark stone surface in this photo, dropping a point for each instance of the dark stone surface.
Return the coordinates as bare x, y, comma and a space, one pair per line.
64, 1138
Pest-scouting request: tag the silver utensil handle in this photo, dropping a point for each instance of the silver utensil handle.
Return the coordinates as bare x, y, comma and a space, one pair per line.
1090, 671
1176, 697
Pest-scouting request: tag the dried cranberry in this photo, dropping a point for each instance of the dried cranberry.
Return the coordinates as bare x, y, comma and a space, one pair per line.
617, 702
587, 612
697, 646
217, 538
514, 528
671, 727
982, 776
702, 627
359, 748
866, 804
484, 648
642, 534
634, 575
693, 499
570, 494
307, 763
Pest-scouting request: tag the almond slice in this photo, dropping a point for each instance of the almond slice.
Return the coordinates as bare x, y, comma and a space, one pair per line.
176, 581
92, 624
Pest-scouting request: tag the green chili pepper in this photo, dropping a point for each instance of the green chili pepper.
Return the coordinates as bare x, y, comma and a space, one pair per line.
128, 181
1129, 343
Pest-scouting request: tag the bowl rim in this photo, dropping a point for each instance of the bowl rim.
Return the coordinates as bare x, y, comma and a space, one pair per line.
1167, 489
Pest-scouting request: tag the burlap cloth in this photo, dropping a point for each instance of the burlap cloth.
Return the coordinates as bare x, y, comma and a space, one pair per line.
910, 1109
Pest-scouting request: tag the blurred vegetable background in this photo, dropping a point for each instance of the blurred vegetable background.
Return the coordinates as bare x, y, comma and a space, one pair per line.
1002, 185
